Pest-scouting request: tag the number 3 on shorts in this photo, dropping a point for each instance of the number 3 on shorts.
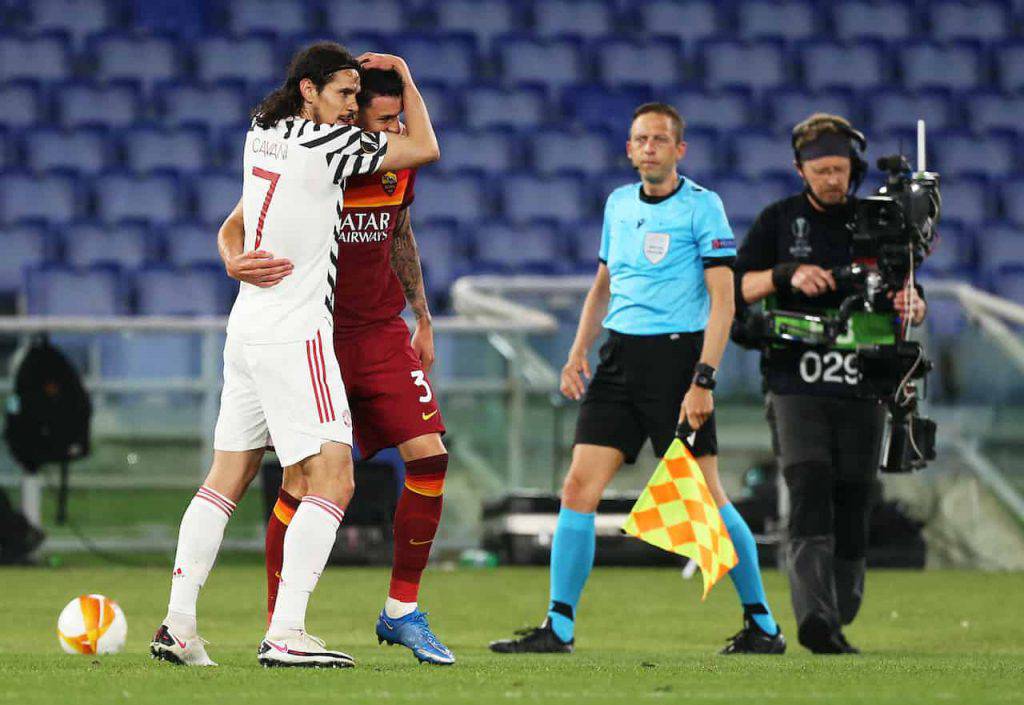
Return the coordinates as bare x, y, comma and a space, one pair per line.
420, 380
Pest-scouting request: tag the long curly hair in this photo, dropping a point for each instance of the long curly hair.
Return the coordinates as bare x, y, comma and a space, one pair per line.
318, 62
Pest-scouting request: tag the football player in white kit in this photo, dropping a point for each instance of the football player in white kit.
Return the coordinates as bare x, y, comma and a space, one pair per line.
281, 377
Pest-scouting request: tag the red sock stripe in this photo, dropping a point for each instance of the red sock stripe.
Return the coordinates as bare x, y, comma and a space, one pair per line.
327, 505
312, 380
216, 499
323, 373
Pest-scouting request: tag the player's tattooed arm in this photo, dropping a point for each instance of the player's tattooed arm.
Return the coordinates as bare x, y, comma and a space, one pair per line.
405, 262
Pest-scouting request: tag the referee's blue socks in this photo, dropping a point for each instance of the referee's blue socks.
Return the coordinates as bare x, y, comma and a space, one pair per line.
572, 557
746, 575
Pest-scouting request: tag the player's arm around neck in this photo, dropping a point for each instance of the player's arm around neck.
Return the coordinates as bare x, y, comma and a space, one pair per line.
418, 146
258, 267
594, 309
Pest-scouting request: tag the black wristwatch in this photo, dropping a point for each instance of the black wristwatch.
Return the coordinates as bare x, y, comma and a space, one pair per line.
704, 375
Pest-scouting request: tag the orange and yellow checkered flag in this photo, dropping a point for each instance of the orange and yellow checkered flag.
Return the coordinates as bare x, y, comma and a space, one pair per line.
676, 512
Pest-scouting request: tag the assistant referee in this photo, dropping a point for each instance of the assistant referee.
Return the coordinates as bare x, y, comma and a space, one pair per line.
664, 289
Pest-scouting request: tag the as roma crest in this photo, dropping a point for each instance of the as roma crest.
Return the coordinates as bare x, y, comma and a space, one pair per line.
389, 182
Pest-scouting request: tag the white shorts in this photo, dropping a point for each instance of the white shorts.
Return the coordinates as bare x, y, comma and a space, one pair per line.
291, 392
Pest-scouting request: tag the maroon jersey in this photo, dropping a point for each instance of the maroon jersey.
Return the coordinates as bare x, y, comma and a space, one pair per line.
367, 290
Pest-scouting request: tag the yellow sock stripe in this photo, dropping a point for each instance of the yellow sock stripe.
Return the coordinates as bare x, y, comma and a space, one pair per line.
428, 486
283, 512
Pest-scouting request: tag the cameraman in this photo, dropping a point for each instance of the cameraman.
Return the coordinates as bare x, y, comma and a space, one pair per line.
827, 441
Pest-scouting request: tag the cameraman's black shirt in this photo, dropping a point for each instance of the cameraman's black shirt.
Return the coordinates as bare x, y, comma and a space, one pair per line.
792, 230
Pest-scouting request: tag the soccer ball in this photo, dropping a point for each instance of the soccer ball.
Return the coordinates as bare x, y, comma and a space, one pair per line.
92, 624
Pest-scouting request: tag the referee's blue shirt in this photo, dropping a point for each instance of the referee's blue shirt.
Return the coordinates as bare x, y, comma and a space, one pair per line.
656, 249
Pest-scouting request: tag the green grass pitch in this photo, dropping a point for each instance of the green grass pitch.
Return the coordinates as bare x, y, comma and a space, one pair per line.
643, 636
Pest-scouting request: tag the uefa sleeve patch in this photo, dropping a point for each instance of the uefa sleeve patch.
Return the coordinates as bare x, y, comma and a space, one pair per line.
723, 244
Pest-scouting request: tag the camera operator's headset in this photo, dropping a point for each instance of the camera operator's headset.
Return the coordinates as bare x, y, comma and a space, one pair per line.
858, 145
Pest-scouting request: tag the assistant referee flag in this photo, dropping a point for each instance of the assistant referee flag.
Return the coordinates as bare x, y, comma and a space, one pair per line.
677, 513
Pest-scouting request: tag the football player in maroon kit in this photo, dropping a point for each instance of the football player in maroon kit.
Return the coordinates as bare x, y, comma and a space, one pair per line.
385, 373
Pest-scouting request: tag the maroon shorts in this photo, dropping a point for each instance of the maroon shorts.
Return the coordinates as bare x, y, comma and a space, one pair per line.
389, 394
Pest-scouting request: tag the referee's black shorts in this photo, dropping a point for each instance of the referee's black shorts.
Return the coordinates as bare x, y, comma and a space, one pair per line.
637, 391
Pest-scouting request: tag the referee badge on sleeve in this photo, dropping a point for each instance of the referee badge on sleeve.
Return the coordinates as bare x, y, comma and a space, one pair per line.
656, 246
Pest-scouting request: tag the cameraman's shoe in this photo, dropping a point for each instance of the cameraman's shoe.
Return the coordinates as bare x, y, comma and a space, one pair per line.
817, 636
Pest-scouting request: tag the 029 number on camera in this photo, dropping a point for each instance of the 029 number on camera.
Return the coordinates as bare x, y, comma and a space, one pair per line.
832, 367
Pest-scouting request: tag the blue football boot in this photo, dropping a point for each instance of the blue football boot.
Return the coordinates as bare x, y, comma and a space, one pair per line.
413, 632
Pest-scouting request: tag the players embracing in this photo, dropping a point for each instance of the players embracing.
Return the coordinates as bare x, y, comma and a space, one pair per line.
391, 400
280, 380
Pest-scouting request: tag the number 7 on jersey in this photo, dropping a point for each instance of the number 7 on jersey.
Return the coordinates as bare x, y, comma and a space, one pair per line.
272, 177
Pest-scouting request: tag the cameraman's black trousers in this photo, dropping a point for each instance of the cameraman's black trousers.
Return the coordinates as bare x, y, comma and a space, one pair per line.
828, 450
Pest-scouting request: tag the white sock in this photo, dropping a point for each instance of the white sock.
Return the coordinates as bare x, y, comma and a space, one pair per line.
307, 546
199, 539
396, 609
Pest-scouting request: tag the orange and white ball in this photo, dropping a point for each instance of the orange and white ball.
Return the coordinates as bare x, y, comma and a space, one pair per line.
92, 624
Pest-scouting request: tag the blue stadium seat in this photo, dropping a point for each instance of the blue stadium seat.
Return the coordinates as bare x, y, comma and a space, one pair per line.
1000, 245
485, 150
718, 110
776, 19
442, 253
484, 18
67, 292
216, 194
251, 59
687, 19
1010, 284
956, 66
22, 104
54, 199
461, 198
85, 150
43, 57
277, 16
440, 57
191, 244
954, 250
444, 104
745, 198
554, 150
150, 148
788, 107
581, 18
214, 106
527, 197
655, 63
388, 16
553, 62
231, 146
122, 196
993, 154
183, 292
145, 59
881, 144
1012, 196
872, 20
896, 109
967, 199
114, 104
162, 356
603, 185
1009, 63
705, 152
983, 21
854, 66
24, 246
521, 108
128, 245
512, 247
756, 65
78, 18
584, 238
990, 110
609, 108
759, 153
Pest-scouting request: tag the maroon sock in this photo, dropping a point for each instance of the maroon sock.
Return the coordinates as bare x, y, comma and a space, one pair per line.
416, 520
282, 515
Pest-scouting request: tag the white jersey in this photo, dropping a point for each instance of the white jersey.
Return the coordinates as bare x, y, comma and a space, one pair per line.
292, 201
